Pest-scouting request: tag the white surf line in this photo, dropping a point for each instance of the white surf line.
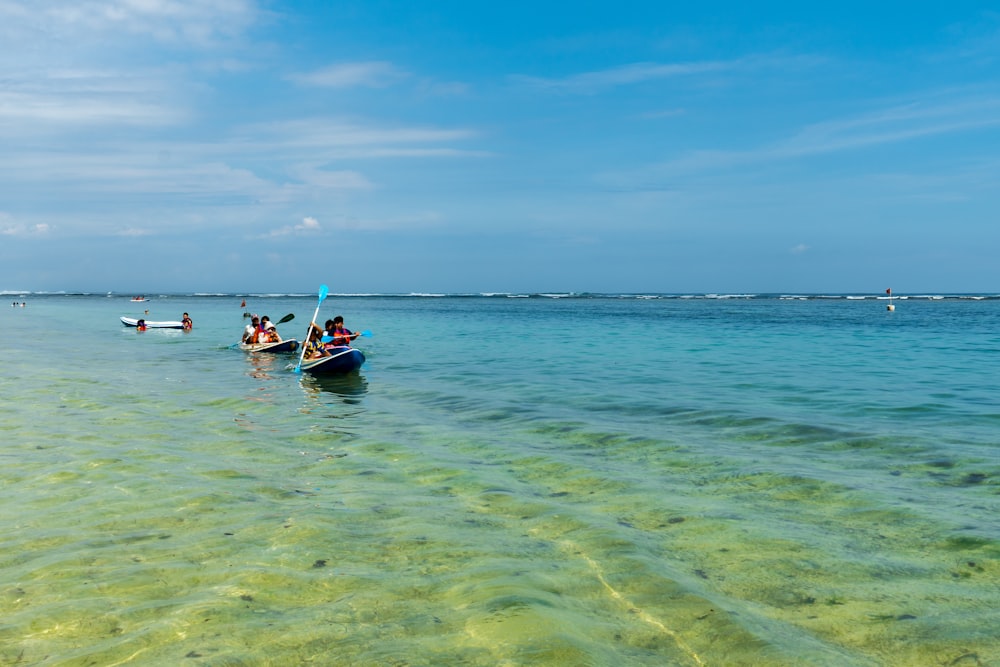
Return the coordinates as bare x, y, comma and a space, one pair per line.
641, 613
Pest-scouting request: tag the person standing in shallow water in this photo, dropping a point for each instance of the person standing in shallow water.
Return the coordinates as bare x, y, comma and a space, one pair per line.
186, 322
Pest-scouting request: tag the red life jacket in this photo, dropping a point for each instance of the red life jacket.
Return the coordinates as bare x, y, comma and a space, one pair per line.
341, 337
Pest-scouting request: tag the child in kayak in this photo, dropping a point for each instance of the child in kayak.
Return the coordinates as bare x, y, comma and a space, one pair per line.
314, 346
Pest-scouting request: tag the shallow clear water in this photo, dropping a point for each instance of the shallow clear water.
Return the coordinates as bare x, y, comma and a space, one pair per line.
508, 481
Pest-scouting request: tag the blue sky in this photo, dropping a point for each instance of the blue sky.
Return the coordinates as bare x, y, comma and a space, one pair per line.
377, 146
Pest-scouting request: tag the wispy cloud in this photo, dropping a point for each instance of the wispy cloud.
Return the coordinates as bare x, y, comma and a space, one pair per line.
331, 180
135, 232
893, 124
69, 98
414, 220
633, 73
897, 123
596, 81
342, 138
195, 22
799, 249
56, 110
266, 166
370, 74
8, 227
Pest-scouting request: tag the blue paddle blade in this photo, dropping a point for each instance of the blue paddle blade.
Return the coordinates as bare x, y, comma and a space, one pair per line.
323, 291
366, 332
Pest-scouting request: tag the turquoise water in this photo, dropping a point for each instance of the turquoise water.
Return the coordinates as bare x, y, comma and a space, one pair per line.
508, 481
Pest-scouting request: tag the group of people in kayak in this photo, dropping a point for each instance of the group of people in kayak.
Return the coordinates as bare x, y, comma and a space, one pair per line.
335, 334
260, 330
321, 339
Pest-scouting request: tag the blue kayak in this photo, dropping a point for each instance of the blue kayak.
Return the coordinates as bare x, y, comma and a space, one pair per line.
341, 360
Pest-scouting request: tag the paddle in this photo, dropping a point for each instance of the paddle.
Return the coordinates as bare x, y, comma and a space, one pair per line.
327, 339
323, 291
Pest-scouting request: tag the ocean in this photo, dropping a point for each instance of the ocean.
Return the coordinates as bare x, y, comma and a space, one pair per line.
557, 479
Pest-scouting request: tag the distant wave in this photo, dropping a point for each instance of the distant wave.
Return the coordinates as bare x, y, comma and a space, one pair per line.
648, 296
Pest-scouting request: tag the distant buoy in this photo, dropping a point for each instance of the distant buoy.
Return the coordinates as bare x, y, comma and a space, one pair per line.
890, 307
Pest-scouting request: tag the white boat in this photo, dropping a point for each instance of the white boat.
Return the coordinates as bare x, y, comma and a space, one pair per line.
152, 324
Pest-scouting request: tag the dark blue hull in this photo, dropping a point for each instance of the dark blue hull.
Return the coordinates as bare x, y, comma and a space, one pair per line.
341, 360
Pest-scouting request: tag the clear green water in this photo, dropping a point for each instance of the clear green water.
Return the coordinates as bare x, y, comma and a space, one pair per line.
506, 482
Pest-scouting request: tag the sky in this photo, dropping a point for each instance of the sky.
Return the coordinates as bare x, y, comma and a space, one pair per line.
394, 147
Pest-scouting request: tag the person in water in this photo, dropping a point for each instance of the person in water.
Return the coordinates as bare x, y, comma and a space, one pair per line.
140, 325
186, 322
341, 335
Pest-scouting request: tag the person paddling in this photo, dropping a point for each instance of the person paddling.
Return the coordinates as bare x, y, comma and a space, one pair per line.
341, 335
314, 346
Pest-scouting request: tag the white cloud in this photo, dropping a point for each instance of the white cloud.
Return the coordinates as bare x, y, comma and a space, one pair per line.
309, 225
9, 227
799, 249
371, 74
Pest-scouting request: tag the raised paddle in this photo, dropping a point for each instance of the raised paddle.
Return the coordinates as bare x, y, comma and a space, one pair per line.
323, 291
